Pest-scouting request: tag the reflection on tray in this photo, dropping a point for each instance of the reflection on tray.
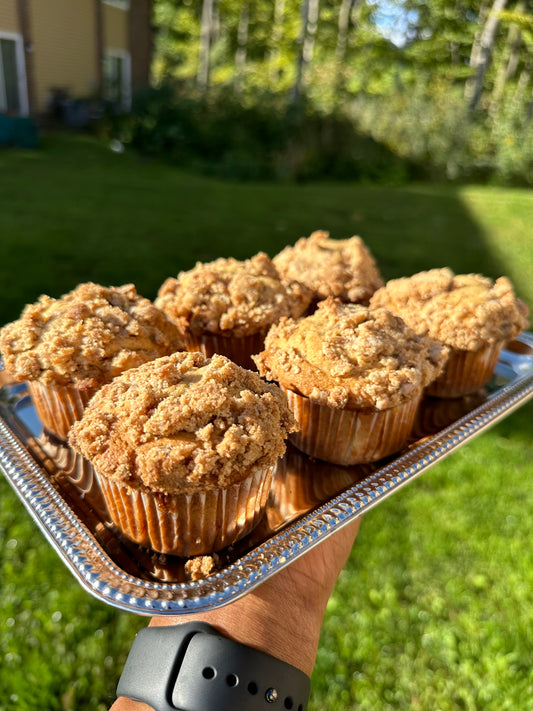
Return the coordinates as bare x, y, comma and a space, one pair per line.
303, 491
300, 484
434, 414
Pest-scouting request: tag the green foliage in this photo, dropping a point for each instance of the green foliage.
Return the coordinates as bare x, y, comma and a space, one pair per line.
411, 94
427, 124
512, 144
261, 138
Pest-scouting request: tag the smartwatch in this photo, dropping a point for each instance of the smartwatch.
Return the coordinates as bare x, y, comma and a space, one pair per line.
193, 667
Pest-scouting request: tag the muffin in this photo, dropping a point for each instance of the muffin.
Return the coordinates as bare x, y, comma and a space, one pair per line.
184, 449
227, 306
342, 268
354, 378
67, 348
473, 315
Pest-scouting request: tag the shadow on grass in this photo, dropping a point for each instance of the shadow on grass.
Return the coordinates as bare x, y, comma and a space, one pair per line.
82, 213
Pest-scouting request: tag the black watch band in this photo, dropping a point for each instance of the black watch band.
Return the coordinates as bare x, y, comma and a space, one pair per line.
192, 667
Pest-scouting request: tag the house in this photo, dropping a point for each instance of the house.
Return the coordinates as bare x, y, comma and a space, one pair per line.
82, 49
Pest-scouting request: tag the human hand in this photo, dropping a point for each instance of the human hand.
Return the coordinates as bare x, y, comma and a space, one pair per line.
282, 616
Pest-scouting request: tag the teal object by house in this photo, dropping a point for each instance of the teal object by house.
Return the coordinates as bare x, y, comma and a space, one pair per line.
6, 130
25, 133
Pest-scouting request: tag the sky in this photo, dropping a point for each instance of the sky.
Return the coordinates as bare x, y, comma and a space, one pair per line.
393, 20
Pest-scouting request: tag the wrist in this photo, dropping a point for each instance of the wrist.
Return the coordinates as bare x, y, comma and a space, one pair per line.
285, 628
283, 616
193, 666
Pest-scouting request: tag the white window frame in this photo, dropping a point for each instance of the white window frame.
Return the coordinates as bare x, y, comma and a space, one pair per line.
121, 4
24, 108
126, 74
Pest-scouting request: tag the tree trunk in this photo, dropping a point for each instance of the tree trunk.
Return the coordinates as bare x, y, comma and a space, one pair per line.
242, 44
297, 88
343, 25
215, 22
481, 58
206, 31
311, 29
509, 62
346, 16
277, 31
482, 17
309, 16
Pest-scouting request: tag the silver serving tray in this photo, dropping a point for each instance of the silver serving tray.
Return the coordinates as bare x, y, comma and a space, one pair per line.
309, 500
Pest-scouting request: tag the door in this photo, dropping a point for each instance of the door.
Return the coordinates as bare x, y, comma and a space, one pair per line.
13, 94
117, 78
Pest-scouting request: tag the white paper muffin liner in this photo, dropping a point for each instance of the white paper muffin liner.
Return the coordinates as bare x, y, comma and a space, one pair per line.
348, 437
188, 524
59, 407
465, 372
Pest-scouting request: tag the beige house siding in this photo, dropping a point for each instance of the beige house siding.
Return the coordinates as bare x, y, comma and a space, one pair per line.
115, 28
65, 45
8, 16
64, 36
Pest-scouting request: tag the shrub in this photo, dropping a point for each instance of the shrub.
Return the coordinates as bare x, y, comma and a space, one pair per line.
263, 137
423, 123
512, 144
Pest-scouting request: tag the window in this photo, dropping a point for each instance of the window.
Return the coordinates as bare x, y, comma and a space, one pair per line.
122, 4
117, 89
13, 94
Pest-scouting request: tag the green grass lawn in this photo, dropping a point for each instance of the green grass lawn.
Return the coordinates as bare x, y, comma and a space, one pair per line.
435, 607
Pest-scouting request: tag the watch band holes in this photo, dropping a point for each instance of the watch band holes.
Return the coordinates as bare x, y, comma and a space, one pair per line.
209, 673
232, 680
288, 703
253, 688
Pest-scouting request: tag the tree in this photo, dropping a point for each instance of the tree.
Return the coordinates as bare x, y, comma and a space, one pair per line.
480, 59
509, 62
277, 33
206, 32
343, 24
242, 43
309, 26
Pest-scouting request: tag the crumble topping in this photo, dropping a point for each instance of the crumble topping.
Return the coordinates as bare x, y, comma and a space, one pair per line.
199, 567
231, 297
184, 422
344, 269
86, 337
349, 356
465, 311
